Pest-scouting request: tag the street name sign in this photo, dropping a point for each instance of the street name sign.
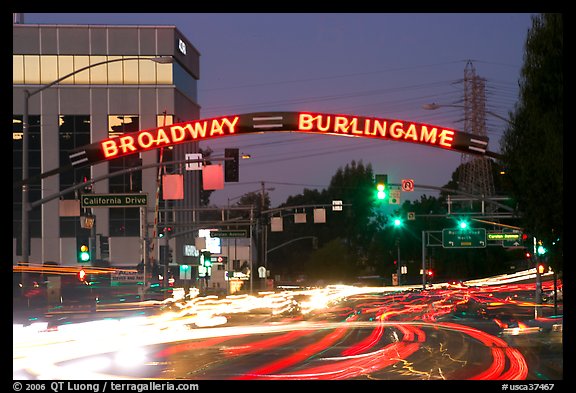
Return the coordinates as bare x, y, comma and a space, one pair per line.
230, 233
509, 237
502, 236
464, 238
114, 200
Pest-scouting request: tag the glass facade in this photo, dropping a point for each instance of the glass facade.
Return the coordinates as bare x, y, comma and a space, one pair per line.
34, 171
124, 70
73, 131
124, 221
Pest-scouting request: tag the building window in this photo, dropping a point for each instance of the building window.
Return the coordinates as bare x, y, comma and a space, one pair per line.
185, 82
34, 169
73, 131
124, 221
122, 124
129, 70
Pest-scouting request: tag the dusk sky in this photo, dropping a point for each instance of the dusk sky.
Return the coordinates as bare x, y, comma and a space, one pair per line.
384, 65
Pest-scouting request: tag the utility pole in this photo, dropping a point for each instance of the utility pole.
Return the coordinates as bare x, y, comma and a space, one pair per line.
398, 263
263, 227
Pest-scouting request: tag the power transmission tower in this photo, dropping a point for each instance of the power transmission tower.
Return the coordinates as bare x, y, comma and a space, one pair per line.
475, 176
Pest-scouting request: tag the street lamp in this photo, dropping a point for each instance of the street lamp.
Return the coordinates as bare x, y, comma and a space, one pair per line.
433, 106
25, 152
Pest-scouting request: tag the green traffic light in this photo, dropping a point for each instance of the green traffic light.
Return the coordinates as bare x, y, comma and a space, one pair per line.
463, 224
397, 222
84, 253
381, 181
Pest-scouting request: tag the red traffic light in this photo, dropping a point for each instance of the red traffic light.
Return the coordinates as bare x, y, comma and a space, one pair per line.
541, 268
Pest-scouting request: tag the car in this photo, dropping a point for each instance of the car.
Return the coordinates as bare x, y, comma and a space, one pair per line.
456, 284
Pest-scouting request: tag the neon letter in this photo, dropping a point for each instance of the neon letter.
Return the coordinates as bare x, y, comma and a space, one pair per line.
396, 130
196, 128
110, 149
216, 127
354, 124
428, 136
380, 128
340, 123
162, 137
411, 132
145, 140
305, 122
446, 138
325, 127
231, 124
127, 143
177, 137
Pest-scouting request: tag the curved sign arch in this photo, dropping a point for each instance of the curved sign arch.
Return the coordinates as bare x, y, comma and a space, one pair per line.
258, 122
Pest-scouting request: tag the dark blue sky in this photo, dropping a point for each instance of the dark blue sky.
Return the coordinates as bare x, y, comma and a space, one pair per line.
384, 65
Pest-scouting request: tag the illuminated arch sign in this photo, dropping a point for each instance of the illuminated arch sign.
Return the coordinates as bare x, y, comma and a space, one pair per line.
318, 123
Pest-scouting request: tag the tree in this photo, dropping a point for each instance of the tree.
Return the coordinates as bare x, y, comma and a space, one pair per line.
331, 263
355, 226
533, 145
254, 198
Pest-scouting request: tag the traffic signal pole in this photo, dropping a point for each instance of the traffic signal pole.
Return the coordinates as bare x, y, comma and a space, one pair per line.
423, 259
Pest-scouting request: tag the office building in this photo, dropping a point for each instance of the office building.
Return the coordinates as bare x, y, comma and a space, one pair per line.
128, 91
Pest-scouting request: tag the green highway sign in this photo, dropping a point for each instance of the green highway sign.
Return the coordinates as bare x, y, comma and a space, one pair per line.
508, 237
510, 241
464, 238
502, 236
114, 200
229, 233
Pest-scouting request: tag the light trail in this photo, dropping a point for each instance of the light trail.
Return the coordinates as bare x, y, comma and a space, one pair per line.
392, 329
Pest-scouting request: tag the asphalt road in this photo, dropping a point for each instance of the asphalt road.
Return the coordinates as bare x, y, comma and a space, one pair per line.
334, 333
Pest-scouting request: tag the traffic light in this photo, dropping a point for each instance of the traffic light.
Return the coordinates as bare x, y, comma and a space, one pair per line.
165, 231
381, 182
429, 275
540, 249
397, 222
463, 224
231, 165
84, 253
87, 189
81, 275
206, 259
541, 268
527, 242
